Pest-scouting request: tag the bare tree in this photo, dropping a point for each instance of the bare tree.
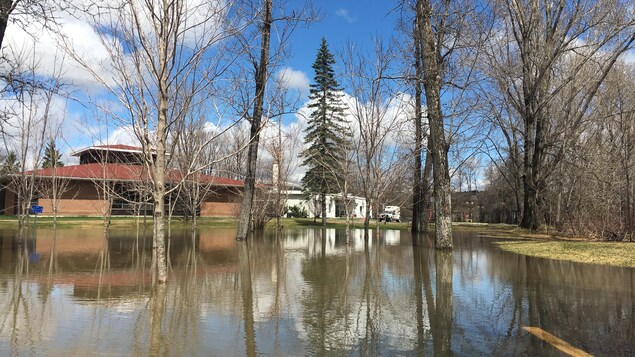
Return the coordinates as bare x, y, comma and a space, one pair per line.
431, 59
263, 64
30, 115
421, 186
420, 155
53, 187
192, 151
551, 58
163, 58
281, 145
24, 12
591, 192
376, 109
261, 75
451, 36
229, 152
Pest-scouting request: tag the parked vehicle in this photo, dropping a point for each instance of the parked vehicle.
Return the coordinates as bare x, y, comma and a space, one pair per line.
390, 214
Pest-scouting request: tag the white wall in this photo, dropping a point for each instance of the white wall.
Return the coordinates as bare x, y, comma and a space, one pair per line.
297, 198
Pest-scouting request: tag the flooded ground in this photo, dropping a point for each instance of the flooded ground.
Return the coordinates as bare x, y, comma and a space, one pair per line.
302, 292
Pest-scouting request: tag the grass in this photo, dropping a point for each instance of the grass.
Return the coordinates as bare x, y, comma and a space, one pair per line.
607, 253
548, 244
115, 222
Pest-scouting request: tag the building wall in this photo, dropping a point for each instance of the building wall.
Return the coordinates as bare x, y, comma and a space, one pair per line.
10, 203
312, 206
220, 209
223, 202
74, 207
80, 199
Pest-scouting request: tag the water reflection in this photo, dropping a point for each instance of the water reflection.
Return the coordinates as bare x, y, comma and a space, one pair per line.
301, 292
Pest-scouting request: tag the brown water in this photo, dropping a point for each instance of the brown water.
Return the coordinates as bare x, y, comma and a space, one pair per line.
304, 292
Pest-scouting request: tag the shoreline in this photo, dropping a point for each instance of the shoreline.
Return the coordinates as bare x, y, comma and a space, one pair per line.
506, 237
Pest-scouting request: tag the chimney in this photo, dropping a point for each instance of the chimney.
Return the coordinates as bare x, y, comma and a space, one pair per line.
276, 171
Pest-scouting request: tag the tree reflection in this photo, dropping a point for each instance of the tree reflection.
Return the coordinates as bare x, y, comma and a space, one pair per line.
442, 321
103, 266
434, 314
247, 296
324, 303
422, 286
158, 345
369, 344
304, 292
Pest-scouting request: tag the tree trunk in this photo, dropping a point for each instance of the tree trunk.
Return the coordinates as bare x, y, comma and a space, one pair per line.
531, 163
439, 148
417, 190
531, 209
323, 204
425, 194
367, 216
158, 167
158, 235
6, 7
254, 137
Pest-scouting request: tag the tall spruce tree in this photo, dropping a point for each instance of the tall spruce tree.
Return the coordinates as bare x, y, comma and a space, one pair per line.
51, 156
325, 133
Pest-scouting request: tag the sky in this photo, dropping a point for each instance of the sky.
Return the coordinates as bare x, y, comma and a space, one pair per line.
340, 23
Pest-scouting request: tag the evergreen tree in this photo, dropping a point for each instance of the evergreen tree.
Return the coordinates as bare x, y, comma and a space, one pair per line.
10, 165
51, 156
325, 133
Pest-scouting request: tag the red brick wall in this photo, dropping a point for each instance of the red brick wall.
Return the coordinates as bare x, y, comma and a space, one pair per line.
81, 199
223, 202
9, 203
220, 209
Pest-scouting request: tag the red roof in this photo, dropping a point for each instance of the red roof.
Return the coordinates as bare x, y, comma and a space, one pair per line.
122, 172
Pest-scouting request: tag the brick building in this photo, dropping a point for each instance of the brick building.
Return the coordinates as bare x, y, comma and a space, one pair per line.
120, 168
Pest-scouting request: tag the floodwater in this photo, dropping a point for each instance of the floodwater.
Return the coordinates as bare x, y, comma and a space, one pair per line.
301, 292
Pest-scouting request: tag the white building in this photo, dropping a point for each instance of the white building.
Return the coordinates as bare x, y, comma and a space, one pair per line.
334, 203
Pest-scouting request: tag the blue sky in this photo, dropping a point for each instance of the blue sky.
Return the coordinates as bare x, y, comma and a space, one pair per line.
342, 21
358, 22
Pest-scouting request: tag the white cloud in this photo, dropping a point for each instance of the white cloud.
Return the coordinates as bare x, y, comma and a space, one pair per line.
32, 45
343, 13
629, 57
85, 35
294, 79
122, 135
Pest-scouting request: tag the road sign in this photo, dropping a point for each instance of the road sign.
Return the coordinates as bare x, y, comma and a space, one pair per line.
37, 209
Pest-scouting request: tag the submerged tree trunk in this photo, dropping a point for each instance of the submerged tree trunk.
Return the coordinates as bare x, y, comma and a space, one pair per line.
158, 236
158, 167
254, 136
432, 82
